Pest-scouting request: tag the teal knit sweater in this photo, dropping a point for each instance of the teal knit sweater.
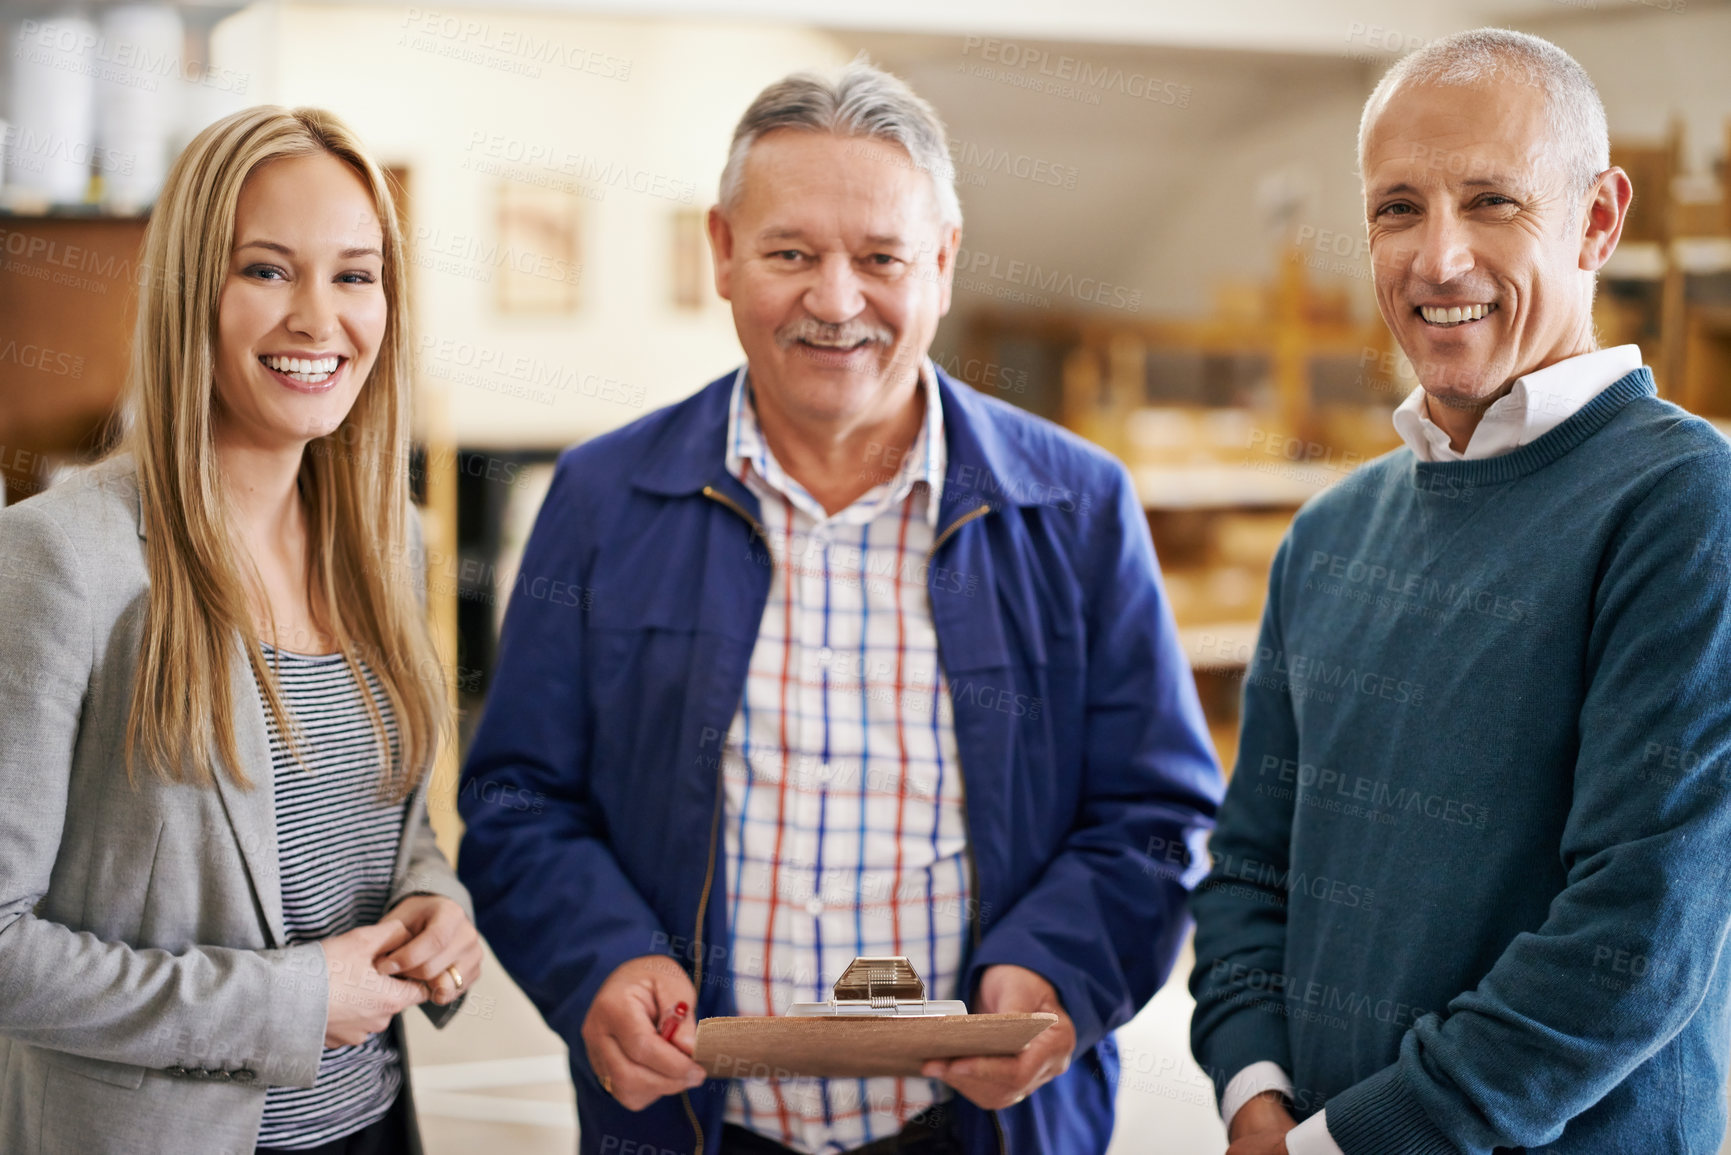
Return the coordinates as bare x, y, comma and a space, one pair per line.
1470, 883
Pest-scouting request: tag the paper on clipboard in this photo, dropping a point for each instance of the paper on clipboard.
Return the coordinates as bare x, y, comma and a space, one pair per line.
878, 1023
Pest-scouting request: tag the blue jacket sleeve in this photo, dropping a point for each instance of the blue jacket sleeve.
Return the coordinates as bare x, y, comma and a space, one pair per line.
1104, 922
1545, 1036
1241, 906
549, 895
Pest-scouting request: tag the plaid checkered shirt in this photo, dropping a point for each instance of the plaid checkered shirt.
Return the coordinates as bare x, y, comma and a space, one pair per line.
845, 828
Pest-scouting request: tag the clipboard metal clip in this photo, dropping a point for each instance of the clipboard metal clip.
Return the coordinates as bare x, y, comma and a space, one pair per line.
880, 986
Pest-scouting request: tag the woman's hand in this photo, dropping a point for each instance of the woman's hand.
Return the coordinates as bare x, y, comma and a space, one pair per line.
441, 938
363, 1001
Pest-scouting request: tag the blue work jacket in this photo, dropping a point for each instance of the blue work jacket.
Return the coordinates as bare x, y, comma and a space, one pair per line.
592, 791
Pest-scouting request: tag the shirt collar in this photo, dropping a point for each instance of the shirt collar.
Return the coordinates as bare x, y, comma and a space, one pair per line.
1537, 403
749, 457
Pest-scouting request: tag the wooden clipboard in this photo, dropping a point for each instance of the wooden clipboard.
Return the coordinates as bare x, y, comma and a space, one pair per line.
785, 1048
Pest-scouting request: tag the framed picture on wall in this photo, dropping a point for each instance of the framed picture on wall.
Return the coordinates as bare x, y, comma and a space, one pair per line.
540, 260
690, 259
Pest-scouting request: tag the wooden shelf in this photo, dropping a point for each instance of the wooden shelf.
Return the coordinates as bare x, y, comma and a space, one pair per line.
1279, 485
68, 291
1652, 290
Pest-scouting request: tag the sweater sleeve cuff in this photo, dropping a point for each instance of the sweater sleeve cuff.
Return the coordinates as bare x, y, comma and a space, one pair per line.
1249, 1036
1381, 1116
1249, 1083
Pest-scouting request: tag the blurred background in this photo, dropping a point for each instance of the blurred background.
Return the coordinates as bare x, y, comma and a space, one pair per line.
1164, 250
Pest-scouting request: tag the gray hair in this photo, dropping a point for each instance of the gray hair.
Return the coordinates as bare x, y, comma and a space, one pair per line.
863, 101
1579, 139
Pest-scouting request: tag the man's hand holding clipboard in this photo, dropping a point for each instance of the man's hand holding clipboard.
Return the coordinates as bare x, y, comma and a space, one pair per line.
998, 1081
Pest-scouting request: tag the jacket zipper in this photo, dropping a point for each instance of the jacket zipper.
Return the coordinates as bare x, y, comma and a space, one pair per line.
697, 935
962, 779
715, 495
977, 511
961, 772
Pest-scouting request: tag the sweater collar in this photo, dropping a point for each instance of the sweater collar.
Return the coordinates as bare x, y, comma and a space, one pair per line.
1535, 455
1535, 404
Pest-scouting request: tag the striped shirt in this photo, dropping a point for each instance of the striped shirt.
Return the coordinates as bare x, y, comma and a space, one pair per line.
845, 830
337, 845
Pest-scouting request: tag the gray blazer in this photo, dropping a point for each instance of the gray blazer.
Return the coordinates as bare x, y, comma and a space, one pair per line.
147, 993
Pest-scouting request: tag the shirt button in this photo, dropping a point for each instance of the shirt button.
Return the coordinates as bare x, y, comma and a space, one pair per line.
825, 655
814, 906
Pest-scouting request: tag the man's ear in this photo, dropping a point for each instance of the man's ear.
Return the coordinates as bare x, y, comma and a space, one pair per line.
1606, 210
949, 243
721, 249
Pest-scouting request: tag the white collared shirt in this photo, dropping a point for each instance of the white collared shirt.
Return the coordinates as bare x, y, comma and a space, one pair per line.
1537, 403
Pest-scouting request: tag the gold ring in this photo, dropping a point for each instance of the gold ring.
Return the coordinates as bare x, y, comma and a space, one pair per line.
607, 1083
456, 977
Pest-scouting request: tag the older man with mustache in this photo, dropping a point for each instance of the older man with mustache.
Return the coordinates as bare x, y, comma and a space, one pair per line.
864, 663
1469, 890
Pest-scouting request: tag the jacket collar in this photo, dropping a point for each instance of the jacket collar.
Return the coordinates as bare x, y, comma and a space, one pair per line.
118, 474
983, 467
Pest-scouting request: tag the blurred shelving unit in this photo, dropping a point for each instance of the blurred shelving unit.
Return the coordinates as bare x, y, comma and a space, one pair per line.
67, 287
1668, 287
1228, 424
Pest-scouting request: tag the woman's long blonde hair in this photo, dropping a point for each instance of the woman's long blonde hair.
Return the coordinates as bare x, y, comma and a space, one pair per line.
354, 482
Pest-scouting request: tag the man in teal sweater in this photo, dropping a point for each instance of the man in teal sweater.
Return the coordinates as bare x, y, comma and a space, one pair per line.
1469, 888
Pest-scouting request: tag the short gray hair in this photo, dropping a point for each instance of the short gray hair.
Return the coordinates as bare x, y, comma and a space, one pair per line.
1579, 138
863, 101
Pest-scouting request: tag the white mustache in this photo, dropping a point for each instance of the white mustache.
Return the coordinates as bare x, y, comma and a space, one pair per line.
821, 332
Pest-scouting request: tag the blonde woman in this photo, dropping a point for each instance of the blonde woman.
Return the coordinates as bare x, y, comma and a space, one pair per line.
219, 701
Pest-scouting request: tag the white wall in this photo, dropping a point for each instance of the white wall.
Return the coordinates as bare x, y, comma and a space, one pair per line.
1167, 202
1650, 63
434, 95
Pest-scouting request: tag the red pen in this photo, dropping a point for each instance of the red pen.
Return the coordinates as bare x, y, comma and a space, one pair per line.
670, 1025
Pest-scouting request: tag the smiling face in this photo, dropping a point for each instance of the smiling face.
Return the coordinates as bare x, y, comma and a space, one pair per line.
302, 311
1482, 254
838, 269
